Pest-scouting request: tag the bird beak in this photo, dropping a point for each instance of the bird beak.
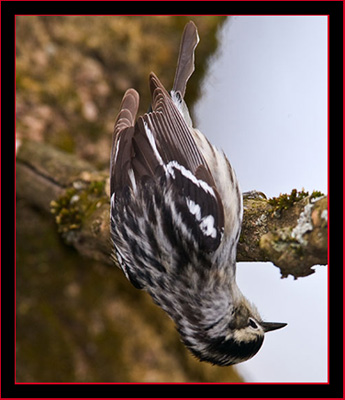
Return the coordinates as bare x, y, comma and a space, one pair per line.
272, 326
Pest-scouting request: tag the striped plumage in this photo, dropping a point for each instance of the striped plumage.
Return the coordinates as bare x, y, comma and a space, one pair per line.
176, 213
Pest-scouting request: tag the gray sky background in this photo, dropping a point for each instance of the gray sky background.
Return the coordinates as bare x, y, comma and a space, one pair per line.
265, 104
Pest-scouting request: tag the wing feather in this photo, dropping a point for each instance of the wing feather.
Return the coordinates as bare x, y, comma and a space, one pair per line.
161, 147
172, 129
121, 152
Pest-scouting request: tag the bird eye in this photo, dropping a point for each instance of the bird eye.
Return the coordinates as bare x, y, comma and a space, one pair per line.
252, 323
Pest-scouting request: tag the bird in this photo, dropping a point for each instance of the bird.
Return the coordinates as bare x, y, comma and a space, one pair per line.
175, 219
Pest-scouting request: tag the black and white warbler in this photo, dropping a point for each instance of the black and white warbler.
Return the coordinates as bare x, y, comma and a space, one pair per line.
176, 215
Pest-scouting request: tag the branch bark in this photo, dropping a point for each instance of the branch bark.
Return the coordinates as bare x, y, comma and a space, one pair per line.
291, 234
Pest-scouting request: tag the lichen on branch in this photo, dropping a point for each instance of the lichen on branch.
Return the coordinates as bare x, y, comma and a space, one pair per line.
289, 230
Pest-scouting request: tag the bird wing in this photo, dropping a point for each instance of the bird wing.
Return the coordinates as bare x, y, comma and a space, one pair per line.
161, 148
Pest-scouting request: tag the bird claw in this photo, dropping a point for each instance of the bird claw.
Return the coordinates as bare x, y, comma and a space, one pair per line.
254, 195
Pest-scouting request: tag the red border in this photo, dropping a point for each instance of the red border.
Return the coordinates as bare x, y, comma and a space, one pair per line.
328, 276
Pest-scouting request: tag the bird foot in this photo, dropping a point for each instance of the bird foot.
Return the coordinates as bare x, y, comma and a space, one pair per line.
254, 195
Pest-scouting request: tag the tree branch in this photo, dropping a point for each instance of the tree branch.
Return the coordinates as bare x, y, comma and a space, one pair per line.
290, 231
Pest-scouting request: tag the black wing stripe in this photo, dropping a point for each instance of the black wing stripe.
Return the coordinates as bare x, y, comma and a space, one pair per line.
196, 211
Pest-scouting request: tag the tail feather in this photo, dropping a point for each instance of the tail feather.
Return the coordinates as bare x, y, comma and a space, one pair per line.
185, 64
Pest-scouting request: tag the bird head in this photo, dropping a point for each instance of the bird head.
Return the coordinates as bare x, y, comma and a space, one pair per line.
234, 338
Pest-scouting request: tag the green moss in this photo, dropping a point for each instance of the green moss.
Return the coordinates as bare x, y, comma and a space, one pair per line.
96, 188
241, 238
315, 194
77, 203
63, 140
285, 201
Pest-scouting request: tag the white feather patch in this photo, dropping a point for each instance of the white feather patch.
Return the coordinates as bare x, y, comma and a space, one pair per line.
152, 141
207, 226
207, 223
132, 179
189, 175
194, 209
